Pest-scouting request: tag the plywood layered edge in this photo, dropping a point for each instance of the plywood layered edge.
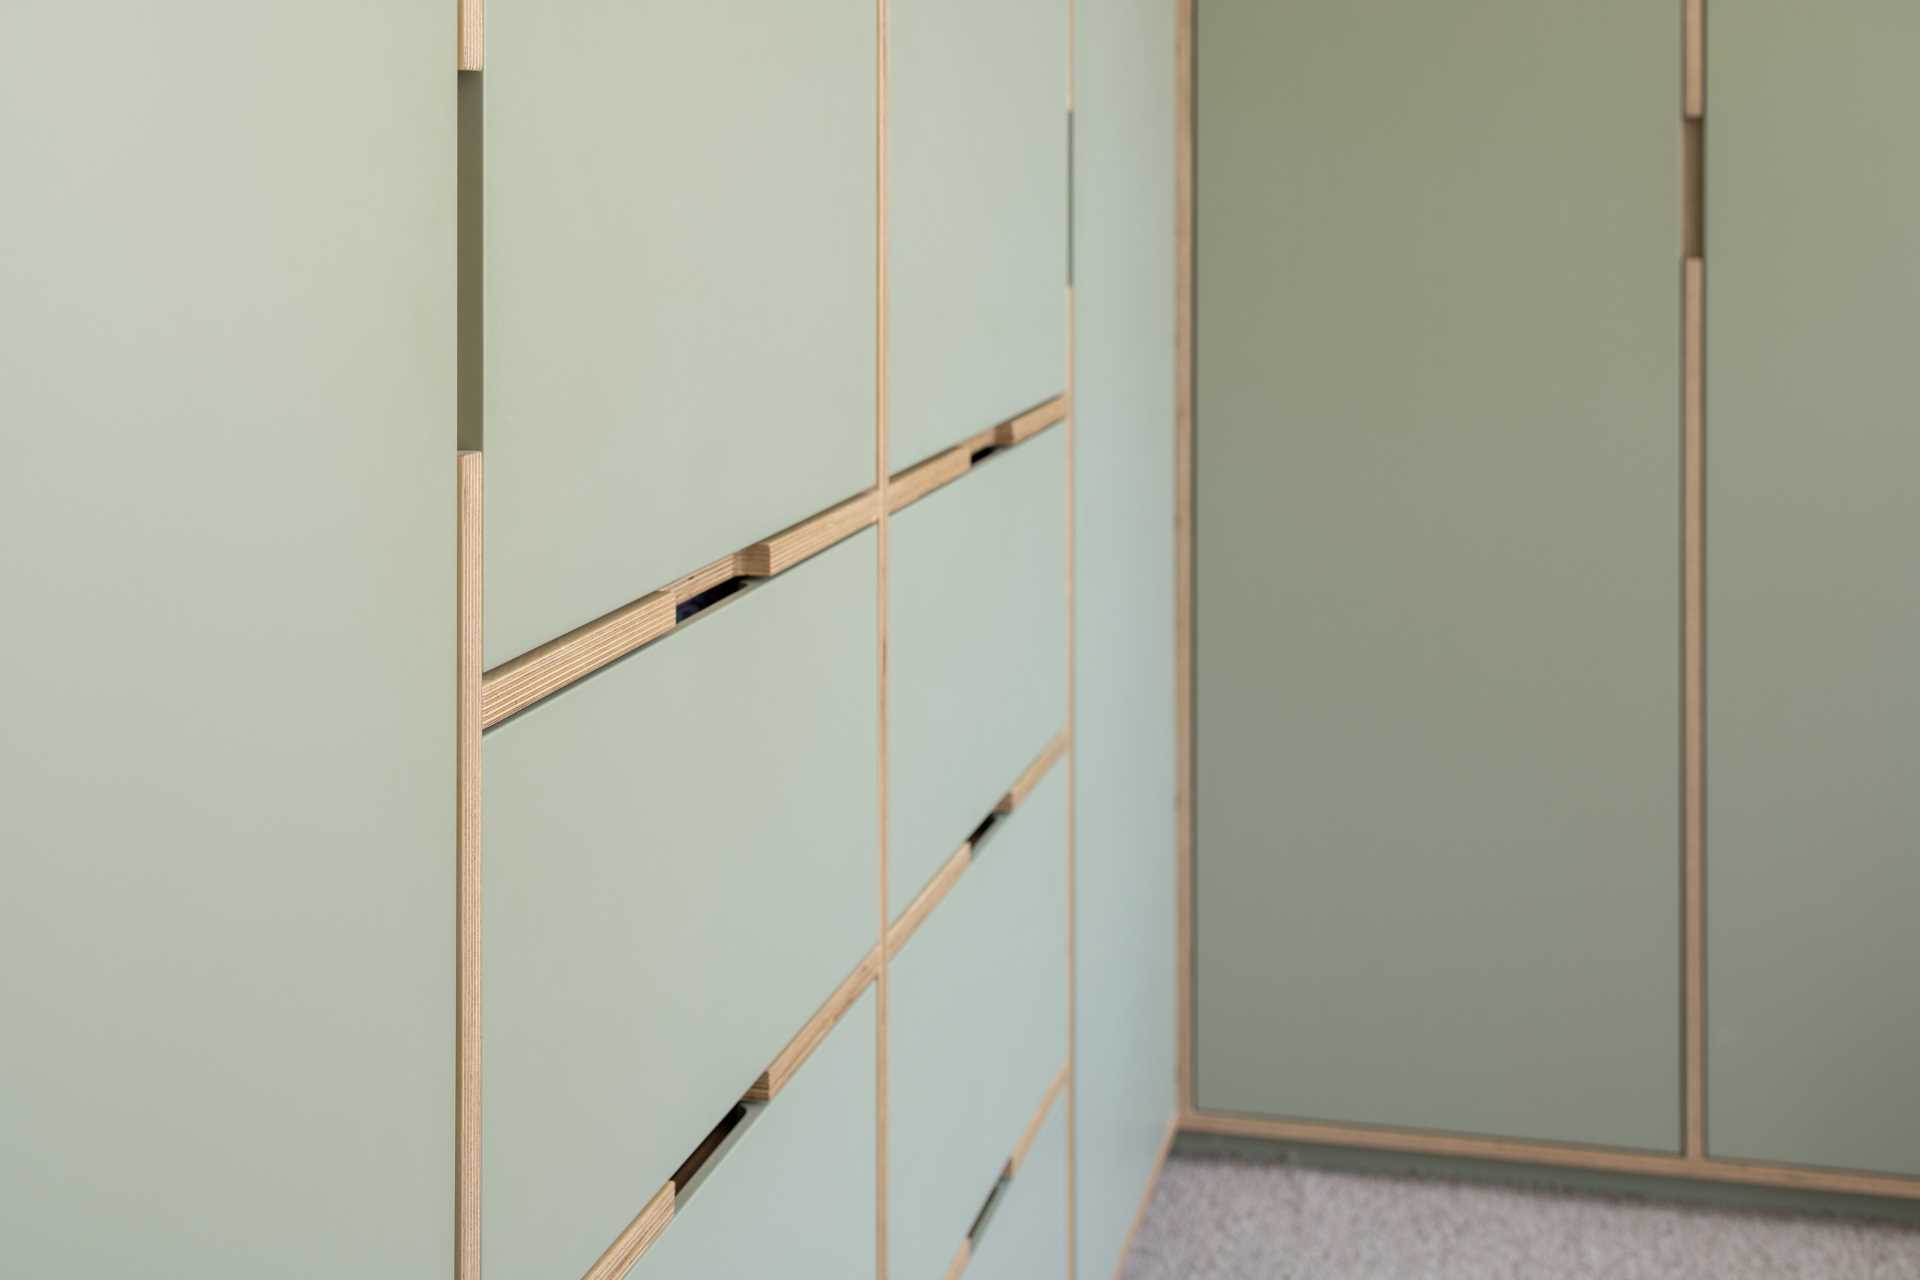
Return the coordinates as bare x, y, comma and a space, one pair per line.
1553, 1154
467, 834
1030, 776
808, 538
943, 468
1183, 552
1023, 1147
472, 38
638, 1237
928, 898
811, 1036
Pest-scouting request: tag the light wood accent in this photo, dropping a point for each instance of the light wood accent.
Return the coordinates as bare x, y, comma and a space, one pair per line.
1146, 1197
883, 553
516, 685
1032, 1134
1562, 1155
810, 1037
467, 831
1693, 643
1030, 777
961, 1257
472, 34
917, 482
928, 898
1037, 419
810, 537
1694, 44
1183, 549
636, 1239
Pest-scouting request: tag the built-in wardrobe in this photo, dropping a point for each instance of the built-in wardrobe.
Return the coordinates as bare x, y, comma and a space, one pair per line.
591, 594
1554, 595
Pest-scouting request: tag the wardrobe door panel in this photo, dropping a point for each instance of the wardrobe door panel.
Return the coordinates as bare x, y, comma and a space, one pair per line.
680, 868
976, 217
978, 1025
226, 766
1437, 610
794, 1193
679, 291
1026, 1238
1813, 585
977, 650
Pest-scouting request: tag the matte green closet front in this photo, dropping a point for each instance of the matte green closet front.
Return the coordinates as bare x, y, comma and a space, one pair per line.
1437, 566
1813, 584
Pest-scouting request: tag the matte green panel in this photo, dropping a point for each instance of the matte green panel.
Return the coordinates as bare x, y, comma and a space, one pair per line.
977, 650
1813, 605
226, 765
680, 868
794, 1195
978, 1027
1026, 1239
976, 216
680, 227
1438, 606
1124, 768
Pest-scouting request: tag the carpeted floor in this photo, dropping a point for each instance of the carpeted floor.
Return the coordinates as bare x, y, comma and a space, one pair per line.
1227, 1218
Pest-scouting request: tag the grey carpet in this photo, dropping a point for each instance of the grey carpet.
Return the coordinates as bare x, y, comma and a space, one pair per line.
1227, 1218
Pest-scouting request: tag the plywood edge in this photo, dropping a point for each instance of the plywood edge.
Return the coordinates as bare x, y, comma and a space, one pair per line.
516, 685
639, 1236
1146, 1195
472, 34
1183, 58
811, 1036
1693, 644
467, 833
917, 482
705, 578
961, 1257
1562, 1155
809, 537
1025, 426
1694, 41
1030, 777
1024, 1147
928, 898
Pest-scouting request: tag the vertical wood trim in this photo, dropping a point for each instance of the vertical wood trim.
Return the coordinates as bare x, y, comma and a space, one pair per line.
1183, 55
472, 34
1694, 43
467, 830
1693, 537
1071, 923
882, 542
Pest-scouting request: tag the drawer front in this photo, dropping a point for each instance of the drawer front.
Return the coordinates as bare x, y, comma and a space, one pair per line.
976, 216
978, 1030
1026, 1238
977, 650
680, 859
634, 271
794, 1194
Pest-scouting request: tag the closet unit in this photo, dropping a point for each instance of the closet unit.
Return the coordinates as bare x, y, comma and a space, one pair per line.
1553, 597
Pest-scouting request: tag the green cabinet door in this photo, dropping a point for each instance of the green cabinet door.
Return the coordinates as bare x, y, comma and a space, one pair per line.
1437, 568
976, 216
1813, 584
681, 867
1123, 600
226, 764
680, 225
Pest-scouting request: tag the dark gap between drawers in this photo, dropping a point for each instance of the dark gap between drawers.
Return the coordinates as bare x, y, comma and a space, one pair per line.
693, 1170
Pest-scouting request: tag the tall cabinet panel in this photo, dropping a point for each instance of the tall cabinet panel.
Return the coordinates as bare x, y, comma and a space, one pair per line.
976, 216
1437, 570
1123, 606
1813, 584
679, 317
227, 502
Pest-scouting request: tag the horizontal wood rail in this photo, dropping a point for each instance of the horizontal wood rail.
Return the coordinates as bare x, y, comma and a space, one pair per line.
1032, 1135
943, 468
955, 866
636, 1239
515, 685
1560, 1155
1008, 1172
